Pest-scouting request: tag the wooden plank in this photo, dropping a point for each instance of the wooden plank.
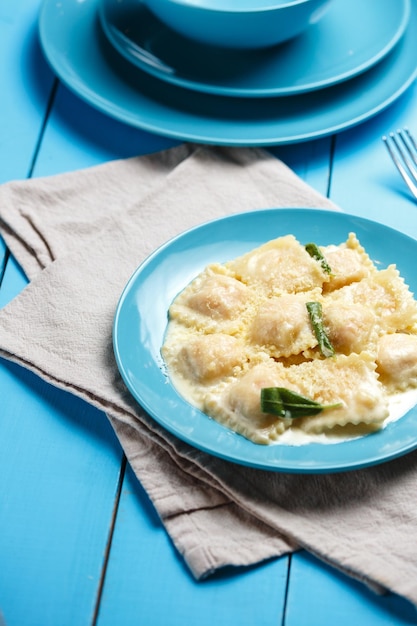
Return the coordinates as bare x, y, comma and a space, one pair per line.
26, 87
59, 459
59, 463
364, 180
78, 136
148, 583
318, 595
311, 161
26, 84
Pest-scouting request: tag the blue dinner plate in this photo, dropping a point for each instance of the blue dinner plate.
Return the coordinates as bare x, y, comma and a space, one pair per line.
337, 47
141, 319
87, 63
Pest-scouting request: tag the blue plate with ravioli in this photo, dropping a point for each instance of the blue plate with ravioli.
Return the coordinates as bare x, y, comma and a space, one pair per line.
141, 320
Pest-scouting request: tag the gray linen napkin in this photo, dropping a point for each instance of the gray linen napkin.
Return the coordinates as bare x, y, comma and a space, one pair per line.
79, 237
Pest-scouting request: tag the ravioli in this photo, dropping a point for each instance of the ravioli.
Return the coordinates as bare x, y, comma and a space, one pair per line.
213, 301
350, 328
237, 405
246, 325
349, 380
279, 266
204, 358
349, 263
282, 325
396, 360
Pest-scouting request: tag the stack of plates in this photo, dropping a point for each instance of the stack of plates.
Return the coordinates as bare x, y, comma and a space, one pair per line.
344, 69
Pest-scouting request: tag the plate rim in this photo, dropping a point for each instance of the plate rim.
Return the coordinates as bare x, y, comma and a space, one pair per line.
159, 68
287, 463
163, 119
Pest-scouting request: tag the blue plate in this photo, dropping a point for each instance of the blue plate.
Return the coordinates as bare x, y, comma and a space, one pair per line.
335, 48
87, 63
141, 319
82, 57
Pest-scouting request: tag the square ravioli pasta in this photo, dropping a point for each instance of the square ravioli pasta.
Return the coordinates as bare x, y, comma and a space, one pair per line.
347, 384
278, 267
322, 323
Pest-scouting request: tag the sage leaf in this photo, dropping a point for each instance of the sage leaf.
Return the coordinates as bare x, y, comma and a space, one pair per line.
286, 403
315, 252
316, 318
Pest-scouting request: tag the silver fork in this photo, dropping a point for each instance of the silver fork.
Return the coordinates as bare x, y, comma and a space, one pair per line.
402, 148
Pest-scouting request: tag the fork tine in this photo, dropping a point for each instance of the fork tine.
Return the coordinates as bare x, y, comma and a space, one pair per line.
410, 143
403, 154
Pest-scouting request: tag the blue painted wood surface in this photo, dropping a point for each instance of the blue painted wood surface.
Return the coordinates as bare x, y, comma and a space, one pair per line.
80, 543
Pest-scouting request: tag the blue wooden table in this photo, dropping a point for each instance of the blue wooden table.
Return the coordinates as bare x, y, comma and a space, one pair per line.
79, 541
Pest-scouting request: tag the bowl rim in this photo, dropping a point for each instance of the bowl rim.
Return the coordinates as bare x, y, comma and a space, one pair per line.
229, 6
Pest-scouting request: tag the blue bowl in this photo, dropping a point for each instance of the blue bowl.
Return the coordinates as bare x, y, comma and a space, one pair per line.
238, 23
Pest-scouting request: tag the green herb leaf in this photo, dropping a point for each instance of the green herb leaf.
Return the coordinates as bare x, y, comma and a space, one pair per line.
286, 403
315, 252
316, 318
